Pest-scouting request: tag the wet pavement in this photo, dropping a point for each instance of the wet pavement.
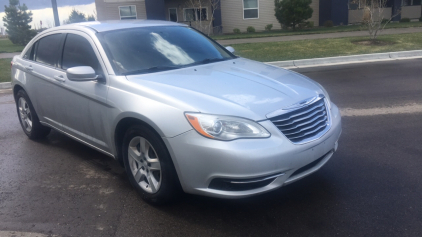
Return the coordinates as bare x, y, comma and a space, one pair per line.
371, 187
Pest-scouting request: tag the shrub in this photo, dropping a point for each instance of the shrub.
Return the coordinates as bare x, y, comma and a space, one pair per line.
384, 21
236, 31
269, 27
250, 29
420, 19
404, 20
293, 12
301, 26
310, 24
328, 23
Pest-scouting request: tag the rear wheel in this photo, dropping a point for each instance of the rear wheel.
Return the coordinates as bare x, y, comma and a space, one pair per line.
149, 165
28, 117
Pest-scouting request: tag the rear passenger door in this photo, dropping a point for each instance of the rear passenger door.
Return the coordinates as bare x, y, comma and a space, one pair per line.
40, 65
83, 102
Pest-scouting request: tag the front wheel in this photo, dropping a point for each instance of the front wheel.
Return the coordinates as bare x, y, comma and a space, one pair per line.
28, 118
149, 165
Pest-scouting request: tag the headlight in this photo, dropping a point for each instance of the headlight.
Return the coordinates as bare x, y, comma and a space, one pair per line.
225, 127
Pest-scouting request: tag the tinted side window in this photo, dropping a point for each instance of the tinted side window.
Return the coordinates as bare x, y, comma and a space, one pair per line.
48, 49
78, 52
28, 53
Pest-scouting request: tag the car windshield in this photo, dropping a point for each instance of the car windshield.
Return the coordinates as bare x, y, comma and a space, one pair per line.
151, 49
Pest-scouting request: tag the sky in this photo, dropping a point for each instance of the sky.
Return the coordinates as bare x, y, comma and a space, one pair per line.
42, 11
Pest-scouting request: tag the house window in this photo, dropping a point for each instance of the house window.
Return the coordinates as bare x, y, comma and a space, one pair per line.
250, 9
127, 12
410, 2
173, 14
190, 15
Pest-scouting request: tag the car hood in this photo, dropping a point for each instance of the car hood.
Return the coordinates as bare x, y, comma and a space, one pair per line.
238, 87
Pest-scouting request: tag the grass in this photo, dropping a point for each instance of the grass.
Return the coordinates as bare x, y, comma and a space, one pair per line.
316, 30
6, 46
5, 69
304, 49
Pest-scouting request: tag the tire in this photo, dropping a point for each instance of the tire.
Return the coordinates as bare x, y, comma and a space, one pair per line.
28, 118
149, 166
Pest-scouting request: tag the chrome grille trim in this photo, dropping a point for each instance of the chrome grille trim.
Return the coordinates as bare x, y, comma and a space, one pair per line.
304, 123
296, 115
307, 128
303, 118
323, 116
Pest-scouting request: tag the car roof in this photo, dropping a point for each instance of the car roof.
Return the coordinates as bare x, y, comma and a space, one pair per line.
101, 26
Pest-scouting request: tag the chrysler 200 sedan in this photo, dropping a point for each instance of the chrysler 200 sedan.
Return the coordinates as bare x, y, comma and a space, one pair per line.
175, 108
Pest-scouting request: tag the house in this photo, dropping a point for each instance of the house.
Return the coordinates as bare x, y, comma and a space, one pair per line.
231, 14
228, 15
344, 12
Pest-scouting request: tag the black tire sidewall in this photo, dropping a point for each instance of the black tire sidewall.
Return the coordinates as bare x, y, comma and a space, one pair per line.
38, 130
169, 180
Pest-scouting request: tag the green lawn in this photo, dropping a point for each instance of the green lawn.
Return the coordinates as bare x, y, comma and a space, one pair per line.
5, 69
6, 46
303, 49
316, 30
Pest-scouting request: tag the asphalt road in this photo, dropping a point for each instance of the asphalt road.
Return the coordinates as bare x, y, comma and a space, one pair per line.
371, 187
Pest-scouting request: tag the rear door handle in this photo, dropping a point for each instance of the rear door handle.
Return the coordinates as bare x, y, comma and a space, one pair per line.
29, 68
59, 78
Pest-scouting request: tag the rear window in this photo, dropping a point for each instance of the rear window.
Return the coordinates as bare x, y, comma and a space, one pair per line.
28, 53
48, 50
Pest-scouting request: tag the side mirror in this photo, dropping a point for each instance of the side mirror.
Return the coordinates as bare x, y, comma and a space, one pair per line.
83, 73
230, 49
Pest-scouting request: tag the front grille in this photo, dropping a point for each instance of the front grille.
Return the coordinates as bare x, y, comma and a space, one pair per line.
304, 124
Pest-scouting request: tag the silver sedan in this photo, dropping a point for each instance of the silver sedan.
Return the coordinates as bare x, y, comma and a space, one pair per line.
175, 108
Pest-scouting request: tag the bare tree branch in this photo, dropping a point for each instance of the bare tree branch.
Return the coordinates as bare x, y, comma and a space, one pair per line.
373, 16
197, 5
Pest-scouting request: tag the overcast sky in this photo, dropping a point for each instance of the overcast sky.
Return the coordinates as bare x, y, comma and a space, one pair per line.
43, 13
41, 4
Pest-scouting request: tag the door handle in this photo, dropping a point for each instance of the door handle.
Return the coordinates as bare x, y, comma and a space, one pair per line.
59, 78
29, 68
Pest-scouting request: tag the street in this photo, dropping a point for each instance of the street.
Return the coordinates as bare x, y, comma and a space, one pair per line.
371, 187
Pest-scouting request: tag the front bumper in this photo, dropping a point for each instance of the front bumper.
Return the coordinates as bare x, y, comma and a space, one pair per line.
199, 160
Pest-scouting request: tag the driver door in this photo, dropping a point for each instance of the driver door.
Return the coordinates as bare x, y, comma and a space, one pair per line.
84, 102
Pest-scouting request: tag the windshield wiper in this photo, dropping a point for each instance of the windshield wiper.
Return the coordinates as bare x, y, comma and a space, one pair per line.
165, 68
208, 60
151, 69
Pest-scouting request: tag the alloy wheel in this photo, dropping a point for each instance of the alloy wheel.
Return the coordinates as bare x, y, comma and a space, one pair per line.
25, 114
144, 164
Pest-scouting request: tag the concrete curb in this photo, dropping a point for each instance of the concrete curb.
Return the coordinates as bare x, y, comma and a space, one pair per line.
5, 85
347, 59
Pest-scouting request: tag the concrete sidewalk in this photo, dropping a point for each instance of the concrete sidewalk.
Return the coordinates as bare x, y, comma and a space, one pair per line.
318, 36
8, 55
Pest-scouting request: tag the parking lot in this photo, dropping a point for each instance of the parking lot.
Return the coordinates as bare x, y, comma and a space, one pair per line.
371, 187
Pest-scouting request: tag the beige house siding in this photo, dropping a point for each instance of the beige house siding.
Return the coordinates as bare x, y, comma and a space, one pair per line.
109, 9
412, 12
232, 15
356, 16
315, 15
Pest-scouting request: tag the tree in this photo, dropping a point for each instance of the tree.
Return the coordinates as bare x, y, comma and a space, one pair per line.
90, 18
17, 20
199, 16
77, 16
292, 12
373, 16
